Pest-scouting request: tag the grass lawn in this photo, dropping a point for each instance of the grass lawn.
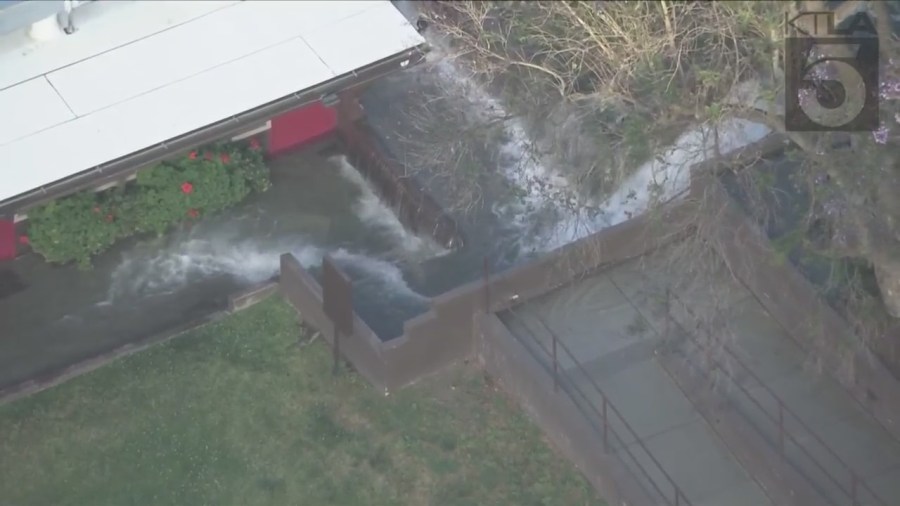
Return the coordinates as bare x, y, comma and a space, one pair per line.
237, 413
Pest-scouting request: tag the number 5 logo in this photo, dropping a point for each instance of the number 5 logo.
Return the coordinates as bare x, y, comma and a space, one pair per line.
833, 91
831, 84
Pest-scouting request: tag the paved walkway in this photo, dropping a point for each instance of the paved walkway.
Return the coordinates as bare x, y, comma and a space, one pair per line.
613, 322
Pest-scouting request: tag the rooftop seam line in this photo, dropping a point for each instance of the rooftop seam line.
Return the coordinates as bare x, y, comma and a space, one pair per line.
345, 18
133, 41
44, 77
58, 94
318, 56
170, 83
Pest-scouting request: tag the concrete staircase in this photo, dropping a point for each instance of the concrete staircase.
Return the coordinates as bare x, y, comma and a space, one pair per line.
741, 420
626, 369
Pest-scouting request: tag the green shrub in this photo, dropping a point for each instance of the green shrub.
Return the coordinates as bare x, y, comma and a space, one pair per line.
77, 227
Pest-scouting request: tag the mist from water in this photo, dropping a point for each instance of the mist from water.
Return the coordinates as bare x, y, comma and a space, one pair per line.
539, 208
372, 211
549, 212
366, 269
668, 176
221, 247
144, 272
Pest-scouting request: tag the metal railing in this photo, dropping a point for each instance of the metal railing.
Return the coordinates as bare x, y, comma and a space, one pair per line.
669, 491
855, 488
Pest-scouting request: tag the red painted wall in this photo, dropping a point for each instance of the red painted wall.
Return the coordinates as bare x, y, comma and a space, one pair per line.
8, 241
301, 126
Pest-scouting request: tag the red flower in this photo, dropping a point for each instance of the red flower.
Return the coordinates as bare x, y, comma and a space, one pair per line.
96, 209
23, 239
225, 158
192, 155
187, 188
110, 217
208, 155
254, 144
193, 213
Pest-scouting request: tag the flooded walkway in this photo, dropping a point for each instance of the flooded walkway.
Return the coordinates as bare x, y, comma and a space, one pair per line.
318, 204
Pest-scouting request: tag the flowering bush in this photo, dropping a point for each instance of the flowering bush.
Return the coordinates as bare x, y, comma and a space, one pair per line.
77, 227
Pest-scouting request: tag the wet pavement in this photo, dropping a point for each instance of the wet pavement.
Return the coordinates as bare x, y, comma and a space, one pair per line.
60, 315
316, 206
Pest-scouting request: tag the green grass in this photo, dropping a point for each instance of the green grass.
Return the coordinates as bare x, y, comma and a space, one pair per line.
237, 413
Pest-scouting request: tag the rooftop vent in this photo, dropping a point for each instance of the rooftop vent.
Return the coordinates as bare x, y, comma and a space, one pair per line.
41, 19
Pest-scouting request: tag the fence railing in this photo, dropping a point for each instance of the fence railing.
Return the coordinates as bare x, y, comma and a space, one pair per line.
667, 489
854, 487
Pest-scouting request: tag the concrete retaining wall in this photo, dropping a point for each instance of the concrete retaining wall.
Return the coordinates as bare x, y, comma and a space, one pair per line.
796, 305
362, 349
446, 333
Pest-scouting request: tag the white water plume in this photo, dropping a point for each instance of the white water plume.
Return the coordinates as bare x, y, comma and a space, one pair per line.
216, 248
662, 179
375, 269
520, 164
167, 270
668, 175
194, 259
372, 211
550, 212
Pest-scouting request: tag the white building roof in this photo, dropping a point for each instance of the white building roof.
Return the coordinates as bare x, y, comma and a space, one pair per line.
136, 74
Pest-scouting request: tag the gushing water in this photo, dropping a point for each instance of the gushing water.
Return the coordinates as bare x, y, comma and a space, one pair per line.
247, 248
542, 191
144, 272
545, 221
382, 273
667, 176
372, 211
549, 211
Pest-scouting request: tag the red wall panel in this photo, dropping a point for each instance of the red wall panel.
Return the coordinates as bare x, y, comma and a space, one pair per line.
8, 240
301, 126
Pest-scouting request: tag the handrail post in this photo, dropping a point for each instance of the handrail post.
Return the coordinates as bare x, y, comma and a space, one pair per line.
677, 495
555, 365
668, 315
605, 425
336, 352
781, 428
487, 286
853, 498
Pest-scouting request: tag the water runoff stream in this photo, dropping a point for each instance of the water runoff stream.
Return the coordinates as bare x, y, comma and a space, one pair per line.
321, 204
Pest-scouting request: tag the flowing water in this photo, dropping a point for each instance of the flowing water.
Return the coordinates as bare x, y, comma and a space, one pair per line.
317, 205
548, 212
321, 204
